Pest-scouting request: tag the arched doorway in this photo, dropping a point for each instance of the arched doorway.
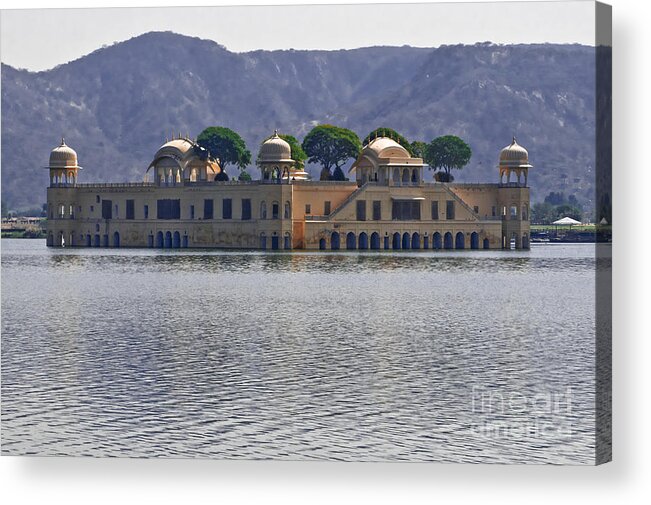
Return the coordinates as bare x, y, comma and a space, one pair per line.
168, 240
447, 240
375, 240
116, 239
363, 240
287, 241
474, 240
88, 240
396, 241
351, 241
460, 241
405, 176
436, 240
177, 240
322, 244
406, 240
415, 240
185, 241
159, 240
96, 240
263, 241
275, 239
334, 241
486, 243
105, 241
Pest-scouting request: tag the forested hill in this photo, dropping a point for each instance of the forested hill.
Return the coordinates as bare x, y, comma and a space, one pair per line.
116, 105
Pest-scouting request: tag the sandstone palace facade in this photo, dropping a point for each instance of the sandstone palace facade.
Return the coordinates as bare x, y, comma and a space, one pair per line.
387, 205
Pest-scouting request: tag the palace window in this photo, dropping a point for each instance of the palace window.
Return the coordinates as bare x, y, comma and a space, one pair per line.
493, 211
96, 198
208, 209
377, 210
168, 209
326, 208
131, 213
514, 211
227, 208
361, 210
274, 210
146, 211
246, 209
449, 209
107, 207
287, 213
476, 209
263, 210
308, 208
192, 211
435, 210
405, 210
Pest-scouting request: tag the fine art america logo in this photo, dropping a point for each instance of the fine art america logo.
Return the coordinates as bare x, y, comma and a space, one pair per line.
515, 414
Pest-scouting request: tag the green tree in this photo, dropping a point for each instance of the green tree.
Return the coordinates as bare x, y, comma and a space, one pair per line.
388, 132
447, 152
244, 176
225, 144
418, 148
569, 211
331, 146
542, 213
555, 198
298, 155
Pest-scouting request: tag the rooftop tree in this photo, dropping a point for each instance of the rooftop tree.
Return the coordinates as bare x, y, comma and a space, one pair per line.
331, 146
418, 148
225, 144
446, 153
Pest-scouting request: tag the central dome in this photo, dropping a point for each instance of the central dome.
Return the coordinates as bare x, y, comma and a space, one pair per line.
381, 144
63, 156
275, 150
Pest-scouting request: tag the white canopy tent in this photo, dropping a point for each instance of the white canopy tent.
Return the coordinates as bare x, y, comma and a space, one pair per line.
566, 221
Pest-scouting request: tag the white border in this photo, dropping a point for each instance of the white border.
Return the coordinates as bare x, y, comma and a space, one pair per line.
625, 480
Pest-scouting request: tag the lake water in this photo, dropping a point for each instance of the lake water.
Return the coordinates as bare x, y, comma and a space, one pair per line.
470, 356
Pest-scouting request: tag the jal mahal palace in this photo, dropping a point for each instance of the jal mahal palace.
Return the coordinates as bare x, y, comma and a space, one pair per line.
385, 206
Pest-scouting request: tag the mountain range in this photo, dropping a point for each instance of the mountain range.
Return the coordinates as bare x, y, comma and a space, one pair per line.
117, 105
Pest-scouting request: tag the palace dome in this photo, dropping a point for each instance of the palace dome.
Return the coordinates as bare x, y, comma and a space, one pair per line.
381, 144
514, 154
63, 156
275, 150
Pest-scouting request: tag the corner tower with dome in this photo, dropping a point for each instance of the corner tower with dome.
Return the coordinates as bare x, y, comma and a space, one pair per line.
386, 204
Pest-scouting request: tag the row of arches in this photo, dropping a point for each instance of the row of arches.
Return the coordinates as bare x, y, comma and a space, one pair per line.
168, 240
273, 242
81, 240
405, 240
275, 210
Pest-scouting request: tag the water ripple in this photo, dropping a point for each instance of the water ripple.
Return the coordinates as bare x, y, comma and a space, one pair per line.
419, 356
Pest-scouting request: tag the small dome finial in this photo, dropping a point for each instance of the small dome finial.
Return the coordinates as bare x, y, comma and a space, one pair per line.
514, 141
276, 132
63, 140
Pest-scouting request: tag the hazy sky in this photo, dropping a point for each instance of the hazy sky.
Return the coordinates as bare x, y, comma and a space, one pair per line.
42, 38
